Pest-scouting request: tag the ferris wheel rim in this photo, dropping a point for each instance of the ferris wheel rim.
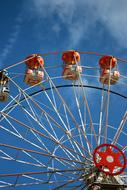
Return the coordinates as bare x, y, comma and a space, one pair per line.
69, 86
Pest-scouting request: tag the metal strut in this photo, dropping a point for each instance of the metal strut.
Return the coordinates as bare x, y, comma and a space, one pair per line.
100, 181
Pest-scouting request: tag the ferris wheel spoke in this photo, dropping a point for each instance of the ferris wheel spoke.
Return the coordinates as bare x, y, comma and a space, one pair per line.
52, 127
82, 124
64, 103
36, 119
11, 108
16, 98
74, 148
30, 177
53, 96
69, 127
67, 154
17, 103
101, 116
68, 133
74, 143
33, 178
69, 150
38, 163
51, 171
32, 110
5, 184
88, 109
13, 127
33, 144
36, 137
33, 158
20, 136
5, 155
36, 180
66, 184
82, 185
59, 159
124, 148
69, 136
108, 103
50, 117
71, 139
67, 118
119, 129
61, 98
55, 109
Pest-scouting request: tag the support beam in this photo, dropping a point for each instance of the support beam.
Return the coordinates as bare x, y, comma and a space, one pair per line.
100, 181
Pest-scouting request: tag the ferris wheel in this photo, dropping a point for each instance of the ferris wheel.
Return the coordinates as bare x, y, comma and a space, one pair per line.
63, 122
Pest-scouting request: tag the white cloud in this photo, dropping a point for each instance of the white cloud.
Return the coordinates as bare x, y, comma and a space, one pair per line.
77, 31
64, 9
56, 28
80, 16
11, 40
113, 15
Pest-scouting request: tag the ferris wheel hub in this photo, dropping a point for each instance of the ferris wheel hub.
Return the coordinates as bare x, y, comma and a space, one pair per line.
109, 159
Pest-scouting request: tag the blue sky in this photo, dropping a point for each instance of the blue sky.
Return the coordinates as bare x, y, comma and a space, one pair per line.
41, 26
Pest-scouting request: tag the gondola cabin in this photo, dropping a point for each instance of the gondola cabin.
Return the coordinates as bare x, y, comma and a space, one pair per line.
33, 77
108, 77
34, 72
34, 61
72, 72
4, 88
107, 62
70, 57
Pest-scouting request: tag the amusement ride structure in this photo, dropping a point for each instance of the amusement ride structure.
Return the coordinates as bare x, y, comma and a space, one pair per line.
63, 122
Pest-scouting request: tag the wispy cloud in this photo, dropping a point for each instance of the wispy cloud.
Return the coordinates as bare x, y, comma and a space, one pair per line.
112, 14
80, 17
11, 40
